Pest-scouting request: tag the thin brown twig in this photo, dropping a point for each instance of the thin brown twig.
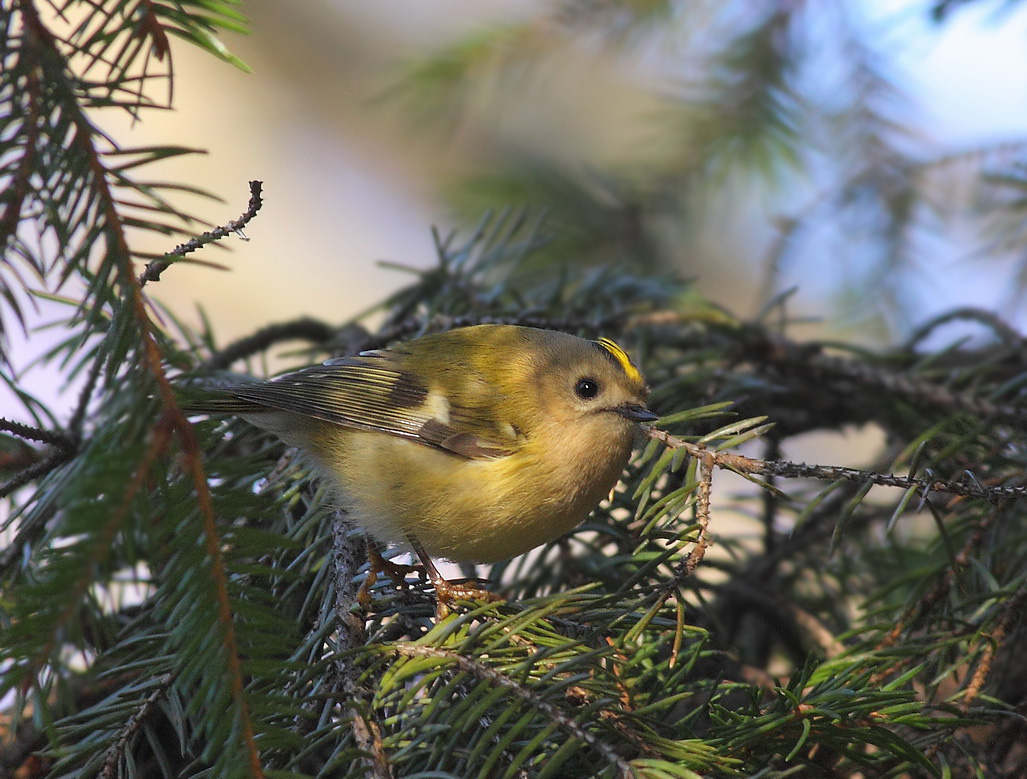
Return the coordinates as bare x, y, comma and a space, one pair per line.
704, 493
63, 450
790, 470
154, 269
1011, 610
79, 415
702, 513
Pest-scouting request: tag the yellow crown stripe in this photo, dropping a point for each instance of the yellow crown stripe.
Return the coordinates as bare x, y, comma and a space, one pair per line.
621, 358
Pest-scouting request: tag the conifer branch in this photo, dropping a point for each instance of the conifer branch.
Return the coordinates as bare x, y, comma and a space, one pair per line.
118, 749
100, 543
483, 672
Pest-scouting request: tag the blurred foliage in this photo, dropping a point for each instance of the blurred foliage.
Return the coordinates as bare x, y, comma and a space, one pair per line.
178, 596
790, 111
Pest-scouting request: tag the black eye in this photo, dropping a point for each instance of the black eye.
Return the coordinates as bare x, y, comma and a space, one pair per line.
586, 388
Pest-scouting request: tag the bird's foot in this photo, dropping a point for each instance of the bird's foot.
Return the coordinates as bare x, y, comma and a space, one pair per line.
379, 564
447, 592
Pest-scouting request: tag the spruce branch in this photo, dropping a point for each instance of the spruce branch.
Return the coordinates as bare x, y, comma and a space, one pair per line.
917, 613
492, 676
995, 323
120, 747
100, 543
174, 421
77, 420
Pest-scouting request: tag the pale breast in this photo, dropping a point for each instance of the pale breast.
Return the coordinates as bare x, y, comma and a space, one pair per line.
464, 510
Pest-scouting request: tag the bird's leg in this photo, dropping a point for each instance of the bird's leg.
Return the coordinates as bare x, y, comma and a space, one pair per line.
378, 564
446, 591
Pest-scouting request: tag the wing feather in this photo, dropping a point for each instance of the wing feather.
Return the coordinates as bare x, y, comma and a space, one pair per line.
371, 392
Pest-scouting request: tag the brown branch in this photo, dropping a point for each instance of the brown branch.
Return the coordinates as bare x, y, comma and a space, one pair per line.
154, 269
811, 361
989, 319
79, 415
368, 736
173, 421
790, 470
105, 535
1012, 610
704, 495
36, 464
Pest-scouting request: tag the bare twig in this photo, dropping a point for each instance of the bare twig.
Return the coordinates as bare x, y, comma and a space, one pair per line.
63, 450
77, 418
1008, 335
154, 269
704, 493
790, 470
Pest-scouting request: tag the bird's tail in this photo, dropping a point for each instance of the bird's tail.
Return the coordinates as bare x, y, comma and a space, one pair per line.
195, 400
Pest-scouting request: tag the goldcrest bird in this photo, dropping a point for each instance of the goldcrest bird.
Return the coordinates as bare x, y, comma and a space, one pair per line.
474, 445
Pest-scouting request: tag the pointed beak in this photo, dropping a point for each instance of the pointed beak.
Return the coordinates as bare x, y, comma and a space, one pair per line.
636, 413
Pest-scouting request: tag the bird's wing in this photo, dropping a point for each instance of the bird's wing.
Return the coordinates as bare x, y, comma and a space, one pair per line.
372, 392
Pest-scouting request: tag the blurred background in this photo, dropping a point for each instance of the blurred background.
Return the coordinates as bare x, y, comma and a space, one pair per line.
868, 154
371, 122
